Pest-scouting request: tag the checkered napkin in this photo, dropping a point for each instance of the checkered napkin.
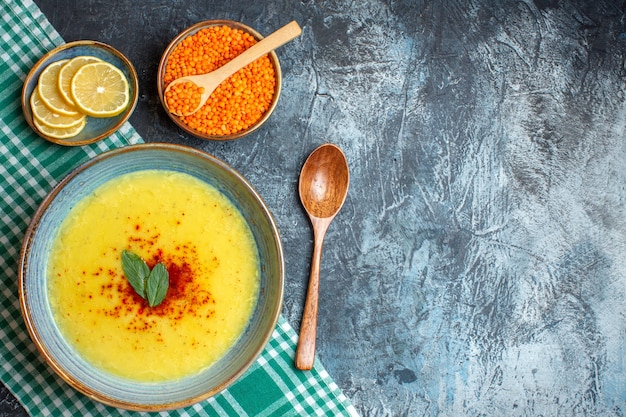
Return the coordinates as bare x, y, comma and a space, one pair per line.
29, 168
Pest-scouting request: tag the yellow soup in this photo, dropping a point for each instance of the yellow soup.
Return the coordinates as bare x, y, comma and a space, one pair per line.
204, 243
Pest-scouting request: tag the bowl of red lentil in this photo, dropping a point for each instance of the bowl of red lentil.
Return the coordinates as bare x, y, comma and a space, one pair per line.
242, 103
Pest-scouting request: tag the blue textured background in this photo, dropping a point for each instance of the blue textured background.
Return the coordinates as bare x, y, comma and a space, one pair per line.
477, 267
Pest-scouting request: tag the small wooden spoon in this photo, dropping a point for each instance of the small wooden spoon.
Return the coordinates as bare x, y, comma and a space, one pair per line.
213, 79
323, 187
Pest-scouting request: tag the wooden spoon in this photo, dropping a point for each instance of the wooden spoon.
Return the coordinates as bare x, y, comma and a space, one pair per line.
213, 79
323, 187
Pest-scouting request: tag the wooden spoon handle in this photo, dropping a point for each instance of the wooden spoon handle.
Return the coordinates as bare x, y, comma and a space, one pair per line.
266, 45
305, 353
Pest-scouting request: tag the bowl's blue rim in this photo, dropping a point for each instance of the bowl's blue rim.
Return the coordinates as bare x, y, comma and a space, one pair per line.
23, 296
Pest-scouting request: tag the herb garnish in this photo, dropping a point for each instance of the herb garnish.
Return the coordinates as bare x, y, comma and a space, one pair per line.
149, 285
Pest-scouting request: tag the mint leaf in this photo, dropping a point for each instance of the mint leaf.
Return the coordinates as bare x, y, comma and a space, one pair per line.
150, 285
136, 272
157, 285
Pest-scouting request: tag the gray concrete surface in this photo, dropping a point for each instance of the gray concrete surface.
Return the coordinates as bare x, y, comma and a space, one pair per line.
477, 268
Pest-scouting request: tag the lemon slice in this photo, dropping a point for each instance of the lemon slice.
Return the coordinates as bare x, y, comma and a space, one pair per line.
59, 133
100, 89
68, 70
50, 118
49, 90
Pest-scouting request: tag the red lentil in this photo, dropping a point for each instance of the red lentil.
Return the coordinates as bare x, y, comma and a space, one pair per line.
238, 102
183, 98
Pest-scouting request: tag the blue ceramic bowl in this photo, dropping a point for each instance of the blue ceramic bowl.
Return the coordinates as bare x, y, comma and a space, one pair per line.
96, 128
116, 391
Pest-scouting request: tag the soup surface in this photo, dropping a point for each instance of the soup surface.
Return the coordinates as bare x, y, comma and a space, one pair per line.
167, 217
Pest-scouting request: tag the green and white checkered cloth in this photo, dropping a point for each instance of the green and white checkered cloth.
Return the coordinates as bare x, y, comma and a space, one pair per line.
29, 168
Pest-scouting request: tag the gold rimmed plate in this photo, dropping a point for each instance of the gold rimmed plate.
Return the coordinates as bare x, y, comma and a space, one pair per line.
95, 128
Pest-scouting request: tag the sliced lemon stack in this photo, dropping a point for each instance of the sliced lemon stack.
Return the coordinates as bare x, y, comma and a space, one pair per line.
49, 91
54, 124
70, 90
